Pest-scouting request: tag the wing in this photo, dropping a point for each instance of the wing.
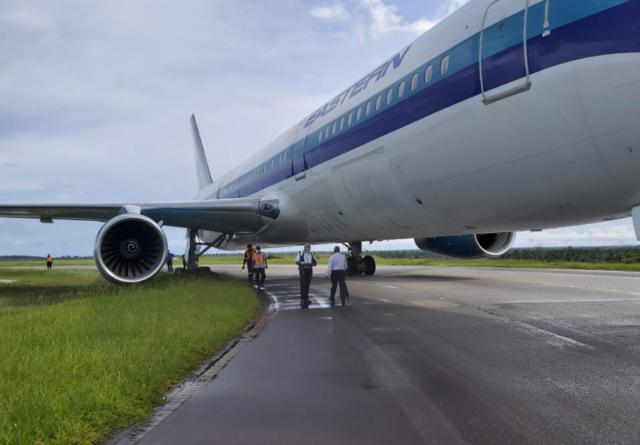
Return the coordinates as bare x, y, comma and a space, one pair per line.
220, 215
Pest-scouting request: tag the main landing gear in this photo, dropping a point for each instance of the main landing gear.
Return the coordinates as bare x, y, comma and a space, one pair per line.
195, 248
358, 264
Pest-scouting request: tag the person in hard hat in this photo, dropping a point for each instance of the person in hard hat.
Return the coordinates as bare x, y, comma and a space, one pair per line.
248, 262
259, 267
306, 261
337, 271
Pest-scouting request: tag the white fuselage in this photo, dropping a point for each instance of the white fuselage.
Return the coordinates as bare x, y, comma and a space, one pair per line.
564, 152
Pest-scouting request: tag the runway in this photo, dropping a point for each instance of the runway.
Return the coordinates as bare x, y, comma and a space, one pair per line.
427, 355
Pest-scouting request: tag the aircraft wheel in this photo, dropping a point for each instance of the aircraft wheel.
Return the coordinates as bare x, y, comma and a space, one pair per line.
353, 268
369, 265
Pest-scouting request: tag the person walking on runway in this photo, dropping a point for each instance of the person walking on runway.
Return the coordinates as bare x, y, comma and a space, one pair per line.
337, 271
248, 261
259, 267
170, 261
305, 260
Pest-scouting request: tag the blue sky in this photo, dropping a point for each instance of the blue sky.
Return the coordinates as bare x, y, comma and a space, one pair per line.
95, 97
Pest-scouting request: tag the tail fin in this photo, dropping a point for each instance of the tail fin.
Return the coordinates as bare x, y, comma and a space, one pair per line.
202, 166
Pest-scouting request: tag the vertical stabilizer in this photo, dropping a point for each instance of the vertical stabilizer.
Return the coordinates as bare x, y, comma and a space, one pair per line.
202, 166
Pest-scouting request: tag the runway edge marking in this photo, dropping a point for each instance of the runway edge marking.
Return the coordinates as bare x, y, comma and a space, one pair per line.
208, 371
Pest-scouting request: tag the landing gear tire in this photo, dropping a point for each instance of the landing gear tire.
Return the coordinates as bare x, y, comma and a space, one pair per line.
353, 266
369, 265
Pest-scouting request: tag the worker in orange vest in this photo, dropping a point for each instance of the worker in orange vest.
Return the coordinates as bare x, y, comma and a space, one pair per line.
259, 267
248, 261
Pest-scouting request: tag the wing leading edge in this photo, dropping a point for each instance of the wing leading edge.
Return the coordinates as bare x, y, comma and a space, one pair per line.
220, 215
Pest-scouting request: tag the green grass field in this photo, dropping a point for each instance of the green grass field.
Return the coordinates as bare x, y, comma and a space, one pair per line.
81, 359
289, 259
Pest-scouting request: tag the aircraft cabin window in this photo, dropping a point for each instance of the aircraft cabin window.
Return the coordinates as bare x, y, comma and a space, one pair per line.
444, 65
390, 95
350, 118
368, 112
359, 114
378, 102
428, 74
401, 89
342, 123
320, 136
335, 127
326, 132
414, 82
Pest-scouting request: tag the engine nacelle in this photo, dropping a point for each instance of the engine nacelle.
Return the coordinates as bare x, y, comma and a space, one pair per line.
130, 249
469, 246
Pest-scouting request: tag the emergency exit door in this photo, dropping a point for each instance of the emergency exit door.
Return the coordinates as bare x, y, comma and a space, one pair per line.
503, 58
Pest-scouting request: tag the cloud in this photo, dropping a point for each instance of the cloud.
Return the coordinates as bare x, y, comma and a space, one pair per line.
386, 19
374, 19
332, 13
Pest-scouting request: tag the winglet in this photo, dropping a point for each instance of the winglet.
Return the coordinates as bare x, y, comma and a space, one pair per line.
202, 166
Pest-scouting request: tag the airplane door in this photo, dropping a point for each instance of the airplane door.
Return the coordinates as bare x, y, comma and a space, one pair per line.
503, 49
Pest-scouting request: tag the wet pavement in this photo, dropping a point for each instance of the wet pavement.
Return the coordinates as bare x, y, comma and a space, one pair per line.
431, 355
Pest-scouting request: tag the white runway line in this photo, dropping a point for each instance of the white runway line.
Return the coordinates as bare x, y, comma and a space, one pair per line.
390, 286
286, 300
555, 340
2, 281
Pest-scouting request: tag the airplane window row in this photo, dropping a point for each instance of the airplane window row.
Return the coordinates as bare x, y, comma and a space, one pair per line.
354, 116
348, 120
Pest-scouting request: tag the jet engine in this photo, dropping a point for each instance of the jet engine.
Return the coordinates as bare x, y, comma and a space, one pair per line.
468, 246
130, 249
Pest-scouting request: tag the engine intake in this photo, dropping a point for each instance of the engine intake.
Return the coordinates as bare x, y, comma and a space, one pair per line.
469, 246
130, 249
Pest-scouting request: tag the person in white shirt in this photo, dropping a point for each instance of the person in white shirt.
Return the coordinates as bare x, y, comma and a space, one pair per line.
305, 261
337, 271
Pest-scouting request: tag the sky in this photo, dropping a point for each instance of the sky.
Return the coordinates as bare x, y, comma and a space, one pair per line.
95, 98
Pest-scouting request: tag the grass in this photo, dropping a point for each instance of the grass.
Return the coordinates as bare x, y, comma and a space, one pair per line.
517, 264
322, 259
82, 359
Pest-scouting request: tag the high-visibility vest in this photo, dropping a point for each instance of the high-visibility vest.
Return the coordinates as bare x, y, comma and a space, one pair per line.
259, 259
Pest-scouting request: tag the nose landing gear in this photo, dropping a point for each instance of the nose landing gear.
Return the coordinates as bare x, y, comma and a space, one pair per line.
358, 264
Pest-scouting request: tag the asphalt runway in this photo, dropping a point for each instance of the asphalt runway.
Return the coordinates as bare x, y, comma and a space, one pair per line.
431, 356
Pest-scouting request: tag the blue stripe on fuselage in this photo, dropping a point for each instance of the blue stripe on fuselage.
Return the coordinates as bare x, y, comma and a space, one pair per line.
586, 29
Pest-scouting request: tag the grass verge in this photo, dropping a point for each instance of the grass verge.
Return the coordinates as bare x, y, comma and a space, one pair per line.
322, 259
82, 359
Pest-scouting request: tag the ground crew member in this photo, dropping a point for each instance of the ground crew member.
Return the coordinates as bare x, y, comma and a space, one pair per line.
259, 267
49, 261
248, 261
305, 260
170, 261
337, 271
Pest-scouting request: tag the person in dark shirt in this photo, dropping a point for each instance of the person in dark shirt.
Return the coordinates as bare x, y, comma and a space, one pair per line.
170, 261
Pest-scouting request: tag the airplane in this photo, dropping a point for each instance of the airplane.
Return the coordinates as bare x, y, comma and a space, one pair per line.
509, 115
